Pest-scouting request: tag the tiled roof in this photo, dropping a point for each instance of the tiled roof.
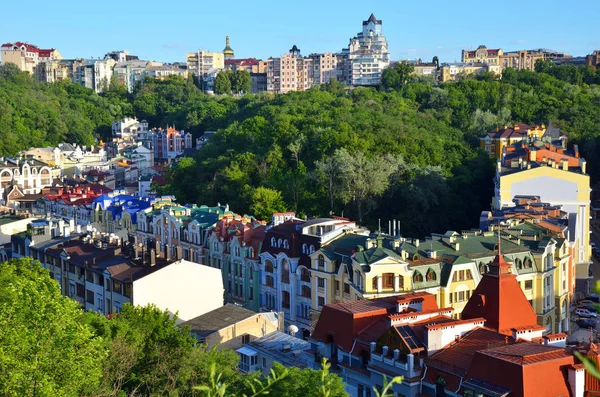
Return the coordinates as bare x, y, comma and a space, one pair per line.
524, 353
500, 300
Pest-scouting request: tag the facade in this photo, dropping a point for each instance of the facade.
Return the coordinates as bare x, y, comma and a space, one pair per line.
202, 62
285, 266
251, 65
94, 73
450, 267
28, 57
558, 177
367, 54
324, 68
495, 142
234, 246
457, 71
162, 72
437, 354
130, 73
129, 129
28, 176
291, 72
231, 326
522, 59
482, 55
169, 143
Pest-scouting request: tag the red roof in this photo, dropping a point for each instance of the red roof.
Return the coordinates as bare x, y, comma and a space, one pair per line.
500, 300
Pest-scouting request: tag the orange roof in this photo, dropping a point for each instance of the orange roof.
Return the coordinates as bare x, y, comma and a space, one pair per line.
500, 300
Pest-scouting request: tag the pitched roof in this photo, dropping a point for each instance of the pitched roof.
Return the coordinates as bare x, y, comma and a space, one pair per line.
500, 300
218, 319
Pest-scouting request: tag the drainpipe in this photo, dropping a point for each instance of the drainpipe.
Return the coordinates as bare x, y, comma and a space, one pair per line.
459, 385
421, 383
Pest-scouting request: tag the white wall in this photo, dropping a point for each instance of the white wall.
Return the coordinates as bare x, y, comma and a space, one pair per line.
185, 287
8, 229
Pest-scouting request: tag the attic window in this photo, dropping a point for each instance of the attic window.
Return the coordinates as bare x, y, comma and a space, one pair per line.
416, 257
417, 277
431, 276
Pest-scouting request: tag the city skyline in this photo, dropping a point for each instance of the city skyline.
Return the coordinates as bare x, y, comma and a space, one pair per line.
315, 28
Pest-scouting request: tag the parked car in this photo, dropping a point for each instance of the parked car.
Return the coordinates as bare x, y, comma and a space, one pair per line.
589, 308
586, 322
585, 302
593, 298
584, 313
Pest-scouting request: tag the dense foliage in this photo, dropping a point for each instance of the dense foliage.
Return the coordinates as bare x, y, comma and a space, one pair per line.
34, 114
407, 151
50, 347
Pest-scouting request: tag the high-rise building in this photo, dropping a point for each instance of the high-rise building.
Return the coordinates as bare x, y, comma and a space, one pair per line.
202, 62
367, 54
289, 73
29, 57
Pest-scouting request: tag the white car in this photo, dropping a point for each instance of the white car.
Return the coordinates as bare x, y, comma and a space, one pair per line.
584, 313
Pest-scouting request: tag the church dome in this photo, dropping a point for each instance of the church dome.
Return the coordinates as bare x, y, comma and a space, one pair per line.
228, 51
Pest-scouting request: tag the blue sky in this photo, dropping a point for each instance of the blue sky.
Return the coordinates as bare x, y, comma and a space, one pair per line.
166, 30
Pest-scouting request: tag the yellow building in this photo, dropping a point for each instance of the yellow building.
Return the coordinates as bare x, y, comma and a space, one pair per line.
482, 55
522, 59
562, 183
458, 71
495, 142
449, 266
202, 62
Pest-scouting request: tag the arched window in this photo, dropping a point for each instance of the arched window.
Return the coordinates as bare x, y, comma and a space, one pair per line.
306, 291
305, 275
285, 272
321, 262
431, 276
286, 245
416, 257
519, 263
237, 251
304, 249
311, 250
279, 243
483, 268
387, 280
527, 263
269, 266
401, 282
273, 242
251, 252
417, 277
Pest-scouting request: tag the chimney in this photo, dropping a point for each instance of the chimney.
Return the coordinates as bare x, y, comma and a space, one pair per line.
532, 156
582, 164
565, 164
416, 242
576, 150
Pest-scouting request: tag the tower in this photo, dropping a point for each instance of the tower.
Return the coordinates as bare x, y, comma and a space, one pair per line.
227, 51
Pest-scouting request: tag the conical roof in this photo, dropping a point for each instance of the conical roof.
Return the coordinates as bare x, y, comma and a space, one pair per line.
500, 300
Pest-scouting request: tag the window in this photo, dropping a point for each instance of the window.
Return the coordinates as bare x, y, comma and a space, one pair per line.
321, 301
305, 275
117, 287
469, 276
89, 276
321, 262
528, 284
264, 362
80, 291
374, 283
311, 250
269, 281
108, 285
305, 291
279, 243
321, 282
417, 278
269, 267
89, 296
285, 272
127, 290
285, 299
286, 245
388, 280
245, 339
431, 276
337, 287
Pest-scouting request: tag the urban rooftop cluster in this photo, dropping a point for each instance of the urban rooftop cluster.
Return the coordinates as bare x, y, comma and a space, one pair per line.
485, 311
360, 64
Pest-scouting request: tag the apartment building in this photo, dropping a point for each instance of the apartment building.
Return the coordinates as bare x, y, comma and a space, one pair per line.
496, 141
102, 272
131, 73
27, 56
291, 72
522, 59
285, 265
202, 62
367, 54
324, 68
482, 54
94, 73
162, 72
233, 246
129, 128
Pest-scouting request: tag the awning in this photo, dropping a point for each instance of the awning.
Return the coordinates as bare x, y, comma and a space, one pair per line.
246, 351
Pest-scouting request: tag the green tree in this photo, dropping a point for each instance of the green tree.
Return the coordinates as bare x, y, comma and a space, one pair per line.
46, 349
241, 82
306, 383
265, 202
223, 82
